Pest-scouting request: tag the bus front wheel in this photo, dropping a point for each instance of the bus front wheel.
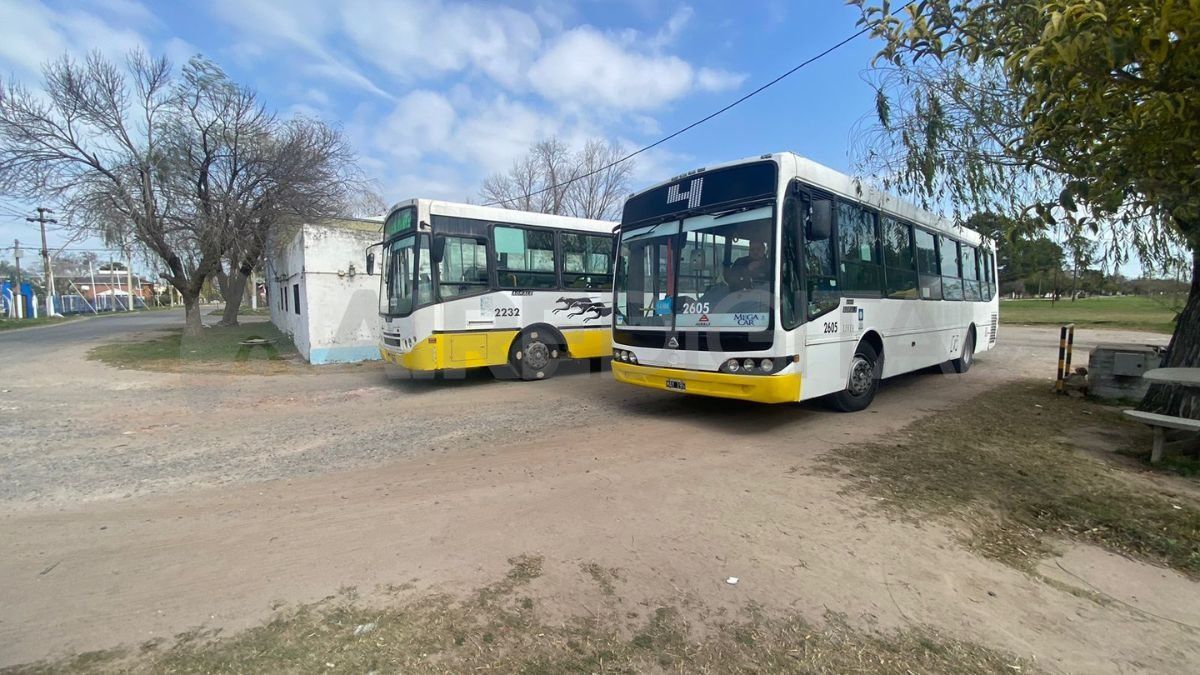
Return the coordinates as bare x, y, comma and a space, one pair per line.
862, 382
534, 355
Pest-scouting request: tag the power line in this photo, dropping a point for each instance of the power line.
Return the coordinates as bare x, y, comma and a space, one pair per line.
706, 118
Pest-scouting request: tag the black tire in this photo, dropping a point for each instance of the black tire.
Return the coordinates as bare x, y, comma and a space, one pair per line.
963, 363
863, 382
534, 355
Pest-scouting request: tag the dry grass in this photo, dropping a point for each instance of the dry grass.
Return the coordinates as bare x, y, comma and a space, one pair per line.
218, 350
497, 630
1005, 463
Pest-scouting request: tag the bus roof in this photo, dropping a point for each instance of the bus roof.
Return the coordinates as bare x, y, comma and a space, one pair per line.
819, 175
496, 214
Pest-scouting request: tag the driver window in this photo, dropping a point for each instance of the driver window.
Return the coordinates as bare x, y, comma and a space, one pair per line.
463, 270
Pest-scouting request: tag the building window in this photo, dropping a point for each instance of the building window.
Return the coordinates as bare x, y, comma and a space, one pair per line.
296, 297
283, 295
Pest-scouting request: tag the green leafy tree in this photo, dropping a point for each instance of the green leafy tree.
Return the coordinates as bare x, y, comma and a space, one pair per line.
1083, 112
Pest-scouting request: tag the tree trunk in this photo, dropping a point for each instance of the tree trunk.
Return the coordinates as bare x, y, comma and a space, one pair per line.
1182, 352
193, 325
233, 288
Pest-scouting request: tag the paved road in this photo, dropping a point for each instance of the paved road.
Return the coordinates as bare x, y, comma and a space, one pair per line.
17, 345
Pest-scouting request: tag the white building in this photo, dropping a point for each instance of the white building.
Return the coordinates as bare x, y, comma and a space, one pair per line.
320, 294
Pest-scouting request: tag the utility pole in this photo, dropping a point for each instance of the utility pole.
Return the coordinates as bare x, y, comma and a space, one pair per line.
129, 278
47, 269
19, 301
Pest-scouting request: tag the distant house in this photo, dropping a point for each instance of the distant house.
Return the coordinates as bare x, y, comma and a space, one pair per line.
105, 284
319, 291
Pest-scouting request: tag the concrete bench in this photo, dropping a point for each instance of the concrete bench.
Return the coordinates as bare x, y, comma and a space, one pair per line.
1160, 423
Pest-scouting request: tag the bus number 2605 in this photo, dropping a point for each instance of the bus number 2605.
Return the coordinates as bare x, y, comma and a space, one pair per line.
831, 327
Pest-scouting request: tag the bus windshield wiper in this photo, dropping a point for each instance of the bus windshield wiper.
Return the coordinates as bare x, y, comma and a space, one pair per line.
730, 212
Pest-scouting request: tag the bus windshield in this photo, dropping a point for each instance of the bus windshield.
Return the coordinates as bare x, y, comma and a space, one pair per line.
710, 271
398, 276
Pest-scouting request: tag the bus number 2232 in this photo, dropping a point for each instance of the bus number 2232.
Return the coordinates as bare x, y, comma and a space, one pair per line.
508, 311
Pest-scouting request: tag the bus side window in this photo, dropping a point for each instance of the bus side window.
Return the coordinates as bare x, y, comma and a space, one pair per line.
952, 285
823, 292
969, 261
858, 247
900, 268
524, 257
928, 266
791, 292
587, 261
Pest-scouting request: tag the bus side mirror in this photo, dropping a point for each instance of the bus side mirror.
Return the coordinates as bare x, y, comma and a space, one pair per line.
820, 220
439, 250
370, 264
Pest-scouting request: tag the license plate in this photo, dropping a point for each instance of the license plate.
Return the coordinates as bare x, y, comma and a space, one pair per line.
677, 385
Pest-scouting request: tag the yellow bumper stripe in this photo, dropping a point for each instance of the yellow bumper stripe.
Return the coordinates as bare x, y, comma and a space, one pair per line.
759, 388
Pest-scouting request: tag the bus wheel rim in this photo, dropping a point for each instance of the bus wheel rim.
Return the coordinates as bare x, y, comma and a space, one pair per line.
862, 372
537, 355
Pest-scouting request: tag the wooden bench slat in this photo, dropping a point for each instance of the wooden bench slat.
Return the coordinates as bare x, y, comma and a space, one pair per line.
1168, 421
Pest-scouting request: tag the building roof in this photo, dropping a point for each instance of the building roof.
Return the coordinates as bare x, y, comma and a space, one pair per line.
373, 224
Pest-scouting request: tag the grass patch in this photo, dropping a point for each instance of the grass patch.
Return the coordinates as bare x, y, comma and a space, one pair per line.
218, 349
605, 577
441, 634
1004, 463
10, 324
1137, 312
243, 311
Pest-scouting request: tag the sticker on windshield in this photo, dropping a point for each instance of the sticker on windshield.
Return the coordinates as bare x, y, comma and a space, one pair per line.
730, 320
663, 307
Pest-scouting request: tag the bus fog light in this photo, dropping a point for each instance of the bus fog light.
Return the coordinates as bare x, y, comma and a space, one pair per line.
733, 366
748, 364
767, 365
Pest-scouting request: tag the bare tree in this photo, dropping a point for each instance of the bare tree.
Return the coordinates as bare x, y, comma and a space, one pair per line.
552, 179
193, 170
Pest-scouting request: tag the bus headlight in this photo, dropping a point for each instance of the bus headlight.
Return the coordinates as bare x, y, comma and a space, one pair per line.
767, 365
633, 358
748, 365
733, 366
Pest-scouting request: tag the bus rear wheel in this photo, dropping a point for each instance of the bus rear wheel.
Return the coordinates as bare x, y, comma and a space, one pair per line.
534, 355
862, 383
963, 363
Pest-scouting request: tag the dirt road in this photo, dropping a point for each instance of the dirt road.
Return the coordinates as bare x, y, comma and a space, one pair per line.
124, 520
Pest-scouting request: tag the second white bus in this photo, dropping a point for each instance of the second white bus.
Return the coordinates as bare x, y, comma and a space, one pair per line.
777, 279
466, 286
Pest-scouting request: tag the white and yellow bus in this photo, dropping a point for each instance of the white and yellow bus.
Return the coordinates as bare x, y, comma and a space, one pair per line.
777, 279
466, 286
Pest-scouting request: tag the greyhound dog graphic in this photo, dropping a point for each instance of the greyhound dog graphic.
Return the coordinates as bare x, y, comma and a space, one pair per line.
572, 303
598, 309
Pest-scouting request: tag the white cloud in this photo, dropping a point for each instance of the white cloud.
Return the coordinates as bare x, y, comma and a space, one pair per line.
421, 122
32, 34
414, 40
301, 24
501, 131
711, 79
674, 28
586, 67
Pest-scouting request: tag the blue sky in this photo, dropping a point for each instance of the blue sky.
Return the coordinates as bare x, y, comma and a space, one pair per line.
436, 94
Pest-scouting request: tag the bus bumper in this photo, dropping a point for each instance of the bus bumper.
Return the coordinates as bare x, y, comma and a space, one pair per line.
758, 388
